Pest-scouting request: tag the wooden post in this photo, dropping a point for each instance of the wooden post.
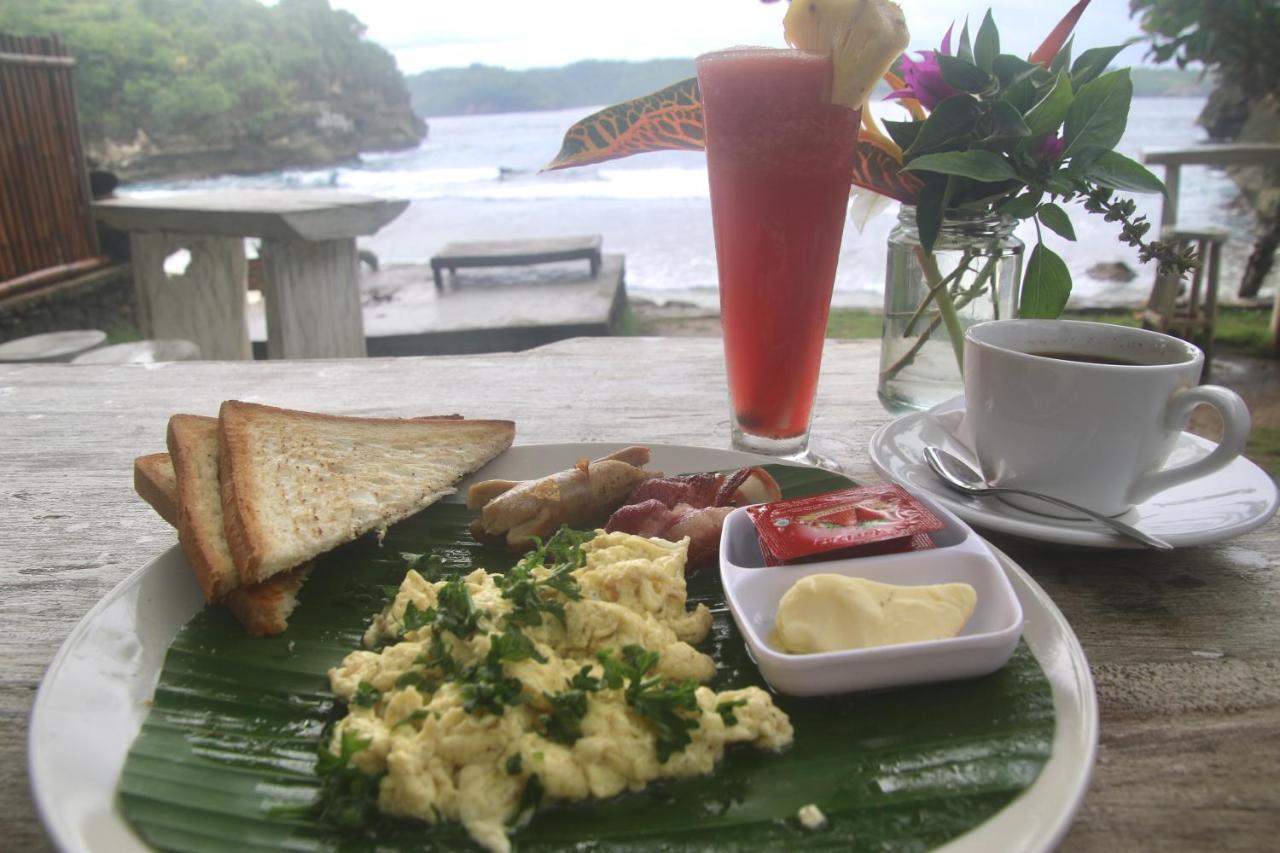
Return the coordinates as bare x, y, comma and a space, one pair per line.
1169, 210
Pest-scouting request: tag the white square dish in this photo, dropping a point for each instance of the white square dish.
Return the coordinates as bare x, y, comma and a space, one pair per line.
753, 591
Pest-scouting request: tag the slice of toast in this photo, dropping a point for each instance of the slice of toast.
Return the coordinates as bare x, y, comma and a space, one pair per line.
264, 608
193, 447
156, 483
297, 484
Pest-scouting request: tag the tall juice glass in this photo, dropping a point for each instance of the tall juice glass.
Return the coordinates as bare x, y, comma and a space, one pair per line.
779, 159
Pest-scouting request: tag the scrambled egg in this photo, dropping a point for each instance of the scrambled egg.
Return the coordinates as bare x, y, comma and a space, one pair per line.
443, 762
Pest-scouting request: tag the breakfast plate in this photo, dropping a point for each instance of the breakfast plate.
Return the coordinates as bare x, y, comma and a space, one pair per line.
108, 668
1228, 502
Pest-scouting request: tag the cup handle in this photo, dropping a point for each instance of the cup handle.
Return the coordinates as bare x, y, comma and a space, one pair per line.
1235, 434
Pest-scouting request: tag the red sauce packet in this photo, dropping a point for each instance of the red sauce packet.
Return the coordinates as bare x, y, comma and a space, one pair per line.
868, 520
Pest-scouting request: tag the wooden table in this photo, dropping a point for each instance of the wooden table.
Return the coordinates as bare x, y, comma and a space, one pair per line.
308, 251
515, 253
1185, 647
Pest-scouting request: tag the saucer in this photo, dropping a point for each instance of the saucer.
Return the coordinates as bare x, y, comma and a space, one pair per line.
1231, 501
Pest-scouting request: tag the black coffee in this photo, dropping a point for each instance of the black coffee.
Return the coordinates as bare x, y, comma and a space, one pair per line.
1087, 358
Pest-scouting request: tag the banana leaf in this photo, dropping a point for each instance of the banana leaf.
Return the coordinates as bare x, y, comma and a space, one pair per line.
226, 758
671, 120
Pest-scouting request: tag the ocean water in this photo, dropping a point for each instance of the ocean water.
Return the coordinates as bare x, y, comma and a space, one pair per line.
477, 178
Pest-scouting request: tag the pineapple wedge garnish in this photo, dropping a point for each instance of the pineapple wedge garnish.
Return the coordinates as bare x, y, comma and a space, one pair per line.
864, 37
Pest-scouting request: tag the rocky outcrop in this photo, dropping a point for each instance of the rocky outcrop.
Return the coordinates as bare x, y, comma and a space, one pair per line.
312, 135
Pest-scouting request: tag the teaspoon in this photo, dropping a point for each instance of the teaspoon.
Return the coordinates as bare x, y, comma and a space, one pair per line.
959, 475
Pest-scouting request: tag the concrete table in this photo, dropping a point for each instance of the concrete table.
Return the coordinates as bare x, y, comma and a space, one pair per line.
1184, 646
308, 253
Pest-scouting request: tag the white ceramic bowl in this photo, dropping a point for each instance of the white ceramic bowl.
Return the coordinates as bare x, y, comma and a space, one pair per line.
986, 643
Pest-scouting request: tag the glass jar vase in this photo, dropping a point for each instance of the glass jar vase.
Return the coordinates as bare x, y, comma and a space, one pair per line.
972, 275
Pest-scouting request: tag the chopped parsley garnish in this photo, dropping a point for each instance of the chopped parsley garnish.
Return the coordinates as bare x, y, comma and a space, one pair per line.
454, 610
513, 645
514, 763
660, 701
366, 695
430, 566
563, 723
531, 597
725, 710
414, 678
416, 716
348, 796
487, 688
584, 680
414, 618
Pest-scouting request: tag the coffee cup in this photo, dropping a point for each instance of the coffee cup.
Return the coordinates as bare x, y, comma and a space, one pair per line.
1088, 412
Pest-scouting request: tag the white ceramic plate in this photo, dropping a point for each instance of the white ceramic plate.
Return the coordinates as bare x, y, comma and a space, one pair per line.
1229, 502
94, 696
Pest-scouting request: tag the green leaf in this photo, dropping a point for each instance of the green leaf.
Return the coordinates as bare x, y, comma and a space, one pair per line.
977, 164
962, 75
1092, 63
230, 740
986, 45
1003, 121
1045, 285
1062, 59
930, 208
1056, 219
904, 133
1047, 116
963, 49
1098, 114
1115, 171
948, 126
1010, 69
1021, 95
1024, 206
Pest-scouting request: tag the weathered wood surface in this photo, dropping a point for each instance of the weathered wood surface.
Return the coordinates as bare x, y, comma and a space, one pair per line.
511, 253
312, 296
276, 214
1185, 647
205, 304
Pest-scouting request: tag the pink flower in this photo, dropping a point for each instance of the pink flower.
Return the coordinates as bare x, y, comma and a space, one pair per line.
924, 78
1051, 148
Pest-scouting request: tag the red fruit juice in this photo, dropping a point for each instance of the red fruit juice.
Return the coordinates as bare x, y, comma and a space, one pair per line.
779, 158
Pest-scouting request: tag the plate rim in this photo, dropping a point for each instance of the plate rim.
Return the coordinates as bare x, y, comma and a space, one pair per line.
1026, 822
1058, 531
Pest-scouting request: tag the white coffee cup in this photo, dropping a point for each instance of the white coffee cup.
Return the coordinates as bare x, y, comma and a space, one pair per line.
1095, 434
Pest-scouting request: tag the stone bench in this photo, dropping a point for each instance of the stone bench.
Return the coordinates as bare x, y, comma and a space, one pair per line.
52, 346
509, 253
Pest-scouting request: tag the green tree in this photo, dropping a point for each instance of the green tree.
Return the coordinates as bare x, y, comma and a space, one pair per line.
1236, 41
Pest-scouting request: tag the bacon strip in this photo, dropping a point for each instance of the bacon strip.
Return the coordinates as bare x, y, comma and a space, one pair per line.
693, 505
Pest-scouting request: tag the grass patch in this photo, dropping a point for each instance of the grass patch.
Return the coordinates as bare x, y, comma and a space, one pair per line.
123, 335
630, 324
1248, 329
1264, 449
854, 323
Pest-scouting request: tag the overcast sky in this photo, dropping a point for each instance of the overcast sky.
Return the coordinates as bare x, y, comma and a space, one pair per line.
542, 33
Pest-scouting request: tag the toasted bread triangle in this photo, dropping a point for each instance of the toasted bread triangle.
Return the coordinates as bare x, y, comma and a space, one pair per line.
193, 446
264, 608
156, 483
297, 484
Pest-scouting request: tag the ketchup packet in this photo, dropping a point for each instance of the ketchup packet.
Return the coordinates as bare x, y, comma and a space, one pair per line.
863, 521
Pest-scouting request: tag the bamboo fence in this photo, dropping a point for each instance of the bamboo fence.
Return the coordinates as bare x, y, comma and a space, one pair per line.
46, 224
